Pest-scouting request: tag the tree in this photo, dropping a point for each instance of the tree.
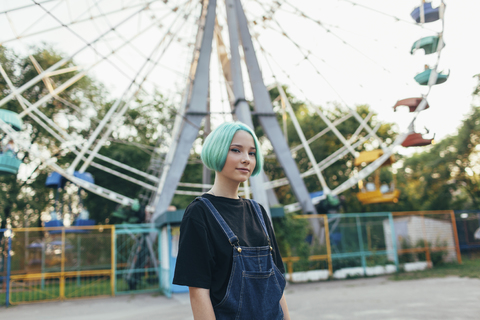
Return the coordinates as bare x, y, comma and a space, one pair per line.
445, 175
76, 110
311, 125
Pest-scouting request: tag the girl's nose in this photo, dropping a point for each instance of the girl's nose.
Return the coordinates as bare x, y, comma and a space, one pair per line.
246, 159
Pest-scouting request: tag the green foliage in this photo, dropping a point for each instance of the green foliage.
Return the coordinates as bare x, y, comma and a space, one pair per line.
77, 110
329, 143
447, 174
469, 268
291, 236
408, 256
377, 260
443, 176
437, 256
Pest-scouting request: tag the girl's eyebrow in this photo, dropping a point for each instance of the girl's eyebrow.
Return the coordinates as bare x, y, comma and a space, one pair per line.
239, 145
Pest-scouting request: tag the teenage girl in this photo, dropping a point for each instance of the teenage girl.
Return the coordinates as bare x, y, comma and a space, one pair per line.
228, 255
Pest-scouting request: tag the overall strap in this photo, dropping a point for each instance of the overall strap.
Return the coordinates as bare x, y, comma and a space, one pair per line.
228, 232
258, 211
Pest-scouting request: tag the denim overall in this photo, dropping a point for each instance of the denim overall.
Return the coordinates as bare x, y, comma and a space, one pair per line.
256, 285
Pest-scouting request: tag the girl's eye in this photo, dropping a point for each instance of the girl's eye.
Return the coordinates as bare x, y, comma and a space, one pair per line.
253, 154
235, 150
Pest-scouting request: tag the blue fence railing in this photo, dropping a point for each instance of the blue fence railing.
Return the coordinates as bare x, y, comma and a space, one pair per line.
5, 265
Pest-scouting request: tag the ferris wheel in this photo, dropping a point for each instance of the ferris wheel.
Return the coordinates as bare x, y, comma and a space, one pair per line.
213, 59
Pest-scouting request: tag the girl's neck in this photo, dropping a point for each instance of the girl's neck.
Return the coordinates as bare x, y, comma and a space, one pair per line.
225, 188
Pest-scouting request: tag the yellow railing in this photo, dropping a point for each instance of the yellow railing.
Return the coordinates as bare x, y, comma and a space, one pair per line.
86, 279
59, 286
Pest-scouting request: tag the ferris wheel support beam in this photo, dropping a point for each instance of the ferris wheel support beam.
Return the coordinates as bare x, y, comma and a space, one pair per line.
225, 63
263, 106
179, 119
192, 119
242, 109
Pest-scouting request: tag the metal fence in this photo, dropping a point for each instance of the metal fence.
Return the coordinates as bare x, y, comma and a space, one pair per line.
427, 236
61, 263
137, 259
367, 244
343, 246
42, 264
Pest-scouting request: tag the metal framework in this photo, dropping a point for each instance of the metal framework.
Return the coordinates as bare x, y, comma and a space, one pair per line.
197, 110
234, 55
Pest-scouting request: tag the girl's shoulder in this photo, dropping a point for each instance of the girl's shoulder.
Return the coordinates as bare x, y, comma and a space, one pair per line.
195, 211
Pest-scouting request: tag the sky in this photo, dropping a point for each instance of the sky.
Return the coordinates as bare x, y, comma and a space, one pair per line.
358, 54
361, 80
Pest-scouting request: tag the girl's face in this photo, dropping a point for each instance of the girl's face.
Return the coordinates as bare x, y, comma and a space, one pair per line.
241, 158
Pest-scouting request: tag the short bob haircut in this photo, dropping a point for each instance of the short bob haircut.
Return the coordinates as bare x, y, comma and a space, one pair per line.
216, 146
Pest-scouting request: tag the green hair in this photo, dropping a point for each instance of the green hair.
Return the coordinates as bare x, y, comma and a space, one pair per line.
217, 144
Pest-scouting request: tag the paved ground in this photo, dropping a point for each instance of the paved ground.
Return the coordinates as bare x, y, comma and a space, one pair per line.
373, 299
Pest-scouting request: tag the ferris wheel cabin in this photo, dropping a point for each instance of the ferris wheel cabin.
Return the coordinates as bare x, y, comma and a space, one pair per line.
375, 192
411, 103
56, 181
428, 44
416, 140
429, 14
423, 77
9, 163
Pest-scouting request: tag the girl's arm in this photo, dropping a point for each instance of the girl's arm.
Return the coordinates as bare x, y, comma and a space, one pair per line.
283, 304
201, 305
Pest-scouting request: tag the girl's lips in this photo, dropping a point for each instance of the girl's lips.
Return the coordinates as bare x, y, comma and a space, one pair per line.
243, 169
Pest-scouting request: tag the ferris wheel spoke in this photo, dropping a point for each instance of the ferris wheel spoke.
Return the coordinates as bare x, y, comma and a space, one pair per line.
386, 14
68, 83
42, 17
306, 54
143, 45
73, 22
136, 48
329, 124
343, 41
310, 103
127, 99
324, 164
318, 135
354, 112
321, 133
25, 104
49, 83
65, 60
26, 6
112, 29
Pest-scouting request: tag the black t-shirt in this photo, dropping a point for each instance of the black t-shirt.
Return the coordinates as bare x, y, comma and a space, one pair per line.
205, 255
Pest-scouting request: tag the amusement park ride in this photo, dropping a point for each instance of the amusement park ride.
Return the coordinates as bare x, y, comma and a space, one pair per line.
239, 60
233, 34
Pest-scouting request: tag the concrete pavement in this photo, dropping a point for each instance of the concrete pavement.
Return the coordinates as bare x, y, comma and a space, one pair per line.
449, 298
